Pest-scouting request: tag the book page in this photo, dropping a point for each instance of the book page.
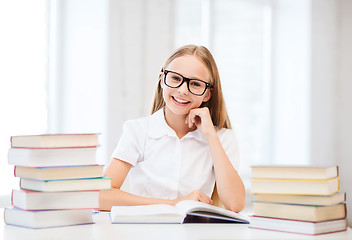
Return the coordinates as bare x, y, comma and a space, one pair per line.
189, 206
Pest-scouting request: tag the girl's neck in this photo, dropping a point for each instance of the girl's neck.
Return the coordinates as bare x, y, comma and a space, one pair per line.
177, 122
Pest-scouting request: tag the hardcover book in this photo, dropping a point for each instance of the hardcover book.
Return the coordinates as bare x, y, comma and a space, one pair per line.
302, 199
33, 200
55, 140
300, 212
295, 186
47, 218
55, 173
86, 184
302, 227
294, 172
50, 157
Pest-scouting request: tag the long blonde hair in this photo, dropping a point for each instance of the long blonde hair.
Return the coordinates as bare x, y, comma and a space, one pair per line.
215, 104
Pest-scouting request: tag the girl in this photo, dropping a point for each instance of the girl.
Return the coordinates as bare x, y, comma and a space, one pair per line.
186, 145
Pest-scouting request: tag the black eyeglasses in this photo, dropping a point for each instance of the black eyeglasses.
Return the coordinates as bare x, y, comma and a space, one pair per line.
195, 86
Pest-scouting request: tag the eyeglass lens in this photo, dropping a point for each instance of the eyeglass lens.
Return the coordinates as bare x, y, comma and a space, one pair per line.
175, 80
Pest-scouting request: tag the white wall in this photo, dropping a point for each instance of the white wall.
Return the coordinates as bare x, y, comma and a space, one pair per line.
343, 105
78, 66
291, 81
104, 63
331, 88
324, 80
140, 39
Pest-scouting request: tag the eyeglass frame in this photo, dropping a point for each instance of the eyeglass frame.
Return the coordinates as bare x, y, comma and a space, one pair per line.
187, 80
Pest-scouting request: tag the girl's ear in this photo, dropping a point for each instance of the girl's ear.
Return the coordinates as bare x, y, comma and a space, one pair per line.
207, 95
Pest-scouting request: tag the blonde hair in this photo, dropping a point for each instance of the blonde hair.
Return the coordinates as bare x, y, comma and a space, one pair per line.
215, 104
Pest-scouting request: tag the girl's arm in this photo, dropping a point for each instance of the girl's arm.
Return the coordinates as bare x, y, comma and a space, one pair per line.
229, 184
117, 170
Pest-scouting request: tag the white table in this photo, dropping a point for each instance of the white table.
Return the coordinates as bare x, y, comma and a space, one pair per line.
103, 229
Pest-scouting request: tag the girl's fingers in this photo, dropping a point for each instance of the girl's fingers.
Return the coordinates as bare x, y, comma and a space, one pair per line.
191, 118
199, 117
199, 196
190, 121
204, 198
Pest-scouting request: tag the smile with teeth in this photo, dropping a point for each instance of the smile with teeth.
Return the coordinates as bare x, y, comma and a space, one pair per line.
180, 100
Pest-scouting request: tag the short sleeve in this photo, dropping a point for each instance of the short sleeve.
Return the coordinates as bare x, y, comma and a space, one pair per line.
131, 144
229, 142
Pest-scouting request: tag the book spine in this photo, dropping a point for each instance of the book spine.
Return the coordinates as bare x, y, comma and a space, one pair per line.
295, 180
12, 198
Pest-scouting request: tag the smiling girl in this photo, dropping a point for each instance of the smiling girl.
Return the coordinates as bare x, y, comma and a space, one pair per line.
186, 148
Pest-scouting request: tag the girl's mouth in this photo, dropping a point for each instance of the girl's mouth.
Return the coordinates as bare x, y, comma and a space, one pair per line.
180, 101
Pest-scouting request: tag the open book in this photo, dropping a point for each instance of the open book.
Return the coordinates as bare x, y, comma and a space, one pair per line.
187, 211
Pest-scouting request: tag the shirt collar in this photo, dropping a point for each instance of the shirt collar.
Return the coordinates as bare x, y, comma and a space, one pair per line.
158, 128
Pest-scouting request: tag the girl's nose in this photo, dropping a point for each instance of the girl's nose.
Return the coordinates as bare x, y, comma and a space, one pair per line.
183, 88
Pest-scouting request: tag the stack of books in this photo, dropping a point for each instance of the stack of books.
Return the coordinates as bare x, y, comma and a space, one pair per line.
301, 199
60, 180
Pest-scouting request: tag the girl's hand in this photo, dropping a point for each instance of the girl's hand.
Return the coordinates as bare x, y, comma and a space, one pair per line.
200, 117
196, 195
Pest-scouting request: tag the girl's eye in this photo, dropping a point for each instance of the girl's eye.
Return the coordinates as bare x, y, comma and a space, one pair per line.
176, 78
195, 84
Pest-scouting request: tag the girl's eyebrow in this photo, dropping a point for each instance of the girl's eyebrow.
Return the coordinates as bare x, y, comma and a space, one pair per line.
196, 78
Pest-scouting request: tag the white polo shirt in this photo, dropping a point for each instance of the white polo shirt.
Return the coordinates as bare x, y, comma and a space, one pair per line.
165, 166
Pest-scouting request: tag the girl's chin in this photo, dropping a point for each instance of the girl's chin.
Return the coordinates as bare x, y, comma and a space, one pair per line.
177, 110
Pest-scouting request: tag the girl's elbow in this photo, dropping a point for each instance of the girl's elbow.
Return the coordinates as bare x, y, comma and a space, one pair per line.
237, 206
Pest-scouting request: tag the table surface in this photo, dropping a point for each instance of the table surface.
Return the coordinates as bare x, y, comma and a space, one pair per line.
103, 229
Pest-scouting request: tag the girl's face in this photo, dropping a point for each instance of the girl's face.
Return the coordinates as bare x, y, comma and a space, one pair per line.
179, 100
